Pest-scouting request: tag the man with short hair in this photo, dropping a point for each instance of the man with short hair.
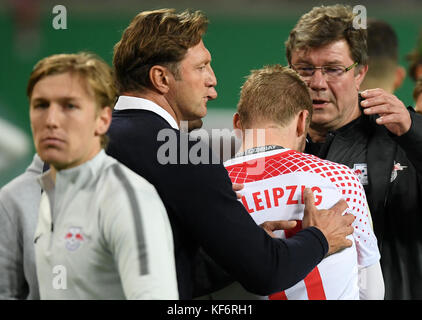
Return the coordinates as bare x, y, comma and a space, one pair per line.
417, 96
380, 139
275, 102
102, 232
383, 69
414, 59
164, 76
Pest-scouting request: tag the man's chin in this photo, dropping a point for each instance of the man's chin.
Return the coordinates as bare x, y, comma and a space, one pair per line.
194, 124
320, 122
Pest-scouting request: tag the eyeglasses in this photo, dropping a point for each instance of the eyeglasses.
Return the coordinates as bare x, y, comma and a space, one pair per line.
332, 72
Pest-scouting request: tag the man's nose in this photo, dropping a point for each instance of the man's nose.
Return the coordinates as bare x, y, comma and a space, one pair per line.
52, 116
317, 81
211, 83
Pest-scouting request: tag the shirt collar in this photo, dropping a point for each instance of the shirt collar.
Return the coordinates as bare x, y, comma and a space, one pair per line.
253, 156
79, 175
36, 165
127, 102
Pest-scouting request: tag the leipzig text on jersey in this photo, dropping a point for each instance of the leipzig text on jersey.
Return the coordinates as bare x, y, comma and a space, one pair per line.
279, 196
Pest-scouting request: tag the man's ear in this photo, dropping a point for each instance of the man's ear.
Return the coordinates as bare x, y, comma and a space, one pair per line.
103, 121
159, 77
302, 124
399, 77
362, 70
237, 126
236, 121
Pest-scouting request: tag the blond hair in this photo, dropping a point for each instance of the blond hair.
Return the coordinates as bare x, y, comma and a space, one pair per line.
273, 93
92, 69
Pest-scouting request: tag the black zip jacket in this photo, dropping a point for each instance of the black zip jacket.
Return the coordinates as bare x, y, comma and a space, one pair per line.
394, 193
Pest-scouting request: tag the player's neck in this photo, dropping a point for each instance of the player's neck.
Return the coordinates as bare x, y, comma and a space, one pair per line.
270, 135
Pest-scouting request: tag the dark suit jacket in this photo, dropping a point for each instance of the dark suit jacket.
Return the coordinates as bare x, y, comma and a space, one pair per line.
203, 210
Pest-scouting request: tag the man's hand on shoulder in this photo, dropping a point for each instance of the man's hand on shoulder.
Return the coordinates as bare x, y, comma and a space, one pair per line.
331, 222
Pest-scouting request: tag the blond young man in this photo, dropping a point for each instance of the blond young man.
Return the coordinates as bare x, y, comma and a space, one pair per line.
102, 232
275, 104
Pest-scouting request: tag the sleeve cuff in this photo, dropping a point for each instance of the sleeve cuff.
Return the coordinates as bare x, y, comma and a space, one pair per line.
320, 236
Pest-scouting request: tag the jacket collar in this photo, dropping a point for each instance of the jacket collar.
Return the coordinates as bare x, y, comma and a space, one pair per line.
80, 175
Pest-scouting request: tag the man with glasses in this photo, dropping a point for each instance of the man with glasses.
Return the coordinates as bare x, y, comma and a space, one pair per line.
379, 138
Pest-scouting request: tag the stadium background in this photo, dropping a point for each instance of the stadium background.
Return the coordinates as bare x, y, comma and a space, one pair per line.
242, 35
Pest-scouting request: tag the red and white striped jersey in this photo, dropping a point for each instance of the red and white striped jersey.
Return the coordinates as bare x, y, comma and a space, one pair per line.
274, 183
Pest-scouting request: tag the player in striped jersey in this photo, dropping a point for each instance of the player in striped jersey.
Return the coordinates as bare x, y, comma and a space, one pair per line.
273, 117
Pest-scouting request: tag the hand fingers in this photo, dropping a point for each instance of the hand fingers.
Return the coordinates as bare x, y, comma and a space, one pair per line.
345, 243
348, 243
380, 109
238, 186
340, 206
386, 119
284, 225
369, 93
268, 227
385, 103
308, 198
350, 230
379, 99
278, 225
349, 218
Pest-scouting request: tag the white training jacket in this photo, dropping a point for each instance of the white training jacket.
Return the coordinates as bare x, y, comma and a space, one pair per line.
103, 233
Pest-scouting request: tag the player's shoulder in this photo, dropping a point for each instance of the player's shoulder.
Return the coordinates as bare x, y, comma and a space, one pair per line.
309, 162
287, 162
323, 164
115, 174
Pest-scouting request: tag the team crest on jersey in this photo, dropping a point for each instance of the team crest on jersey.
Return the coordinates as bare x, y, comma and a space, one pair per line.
397, 167
361, 170
74, 238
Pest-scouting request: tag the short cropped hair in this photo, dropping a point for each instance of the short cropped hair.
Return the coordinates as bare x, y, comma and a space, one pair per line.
418, 89
415, 58
382, 49
96, 73
324, 25
382, 40
273, 93
159, 37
